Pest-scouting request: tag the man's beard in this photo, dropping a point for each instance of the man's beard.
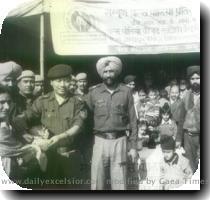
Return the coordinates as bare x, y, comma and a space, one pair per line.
109, 81
195, 87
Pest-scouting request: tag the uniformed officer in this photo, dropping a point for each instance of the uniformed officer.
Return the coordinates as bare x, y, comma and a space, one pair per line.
82, 85
25, 83
112, 105
73, 85
59, 113
39, 86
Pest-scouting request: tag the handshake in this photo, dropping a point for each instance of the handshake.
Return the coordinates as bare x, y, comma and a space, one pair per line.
40, 136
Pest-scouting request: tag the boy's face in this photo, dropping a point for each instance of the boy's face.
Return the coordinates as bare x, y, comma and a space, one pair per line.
168, 154
142, 96
152, 95
165, 117
142, 130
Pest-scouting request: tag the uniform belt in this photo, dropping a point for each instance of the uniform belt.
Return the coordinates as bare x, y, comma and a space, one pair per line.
110, 135
192, 133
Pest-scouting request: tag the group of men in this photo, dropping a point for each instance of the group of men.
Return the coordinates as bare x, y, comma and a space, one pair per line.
50, 136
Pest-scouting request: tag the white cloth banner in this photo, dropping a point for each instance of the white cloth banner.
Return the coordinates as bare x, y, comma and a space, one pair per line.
87, 27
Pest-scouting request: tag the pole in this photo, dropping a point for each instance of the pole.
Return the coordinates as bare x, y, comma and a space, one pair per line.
42, 41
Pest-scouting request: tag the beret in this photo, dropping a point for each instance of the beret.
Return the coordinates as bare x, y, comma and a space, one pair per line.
167, 142
111, 61
10, 68
129, 78
38, 78
193, 69
26, 73
59, 71
81, 76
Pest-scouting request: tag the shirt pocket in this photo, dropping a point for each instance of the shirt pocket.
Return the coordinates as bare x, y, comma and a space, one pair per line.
120, 116
100, 114
100, 108
49, 118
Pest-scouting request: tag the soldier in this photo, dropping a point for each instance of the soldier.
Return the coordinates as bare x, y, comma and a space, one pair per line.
86, 139
59, 113
112, 105
192, 119
82, 84
39, 86
73, 85
25, 83
9, 71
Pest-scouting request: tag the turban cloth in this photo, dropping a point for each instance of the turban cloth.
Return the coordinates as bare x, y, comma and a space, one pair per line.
193, 69
114, 62
10, 69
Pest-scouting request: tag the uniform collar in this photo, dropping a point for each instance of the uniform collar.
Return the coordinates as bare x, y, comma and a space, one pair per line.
104, 88
26, 97
54, 98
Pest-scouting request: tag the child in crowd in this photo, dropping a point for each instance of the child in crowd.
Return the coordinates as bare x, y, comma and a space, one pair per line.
141, 106
142, 134
163, 97
167, 125
152, 116
175, 169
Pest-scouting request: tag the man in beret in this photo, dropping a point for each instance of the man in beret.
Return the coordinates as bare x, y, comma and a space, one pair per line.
59, 113
39, 86
25, 83
112, 105
192, 119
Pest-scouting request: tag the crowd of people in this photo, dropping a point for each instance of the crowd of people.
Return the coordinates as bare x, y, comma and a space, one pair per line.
86, 137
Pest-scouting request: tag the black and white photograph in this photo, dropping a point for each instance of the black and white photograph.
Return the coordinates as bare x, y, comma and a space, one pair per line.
100, 95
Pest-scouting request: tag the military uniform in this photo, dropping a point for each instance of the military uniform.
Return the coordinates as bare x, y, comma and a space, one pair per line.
112, 114
57, 119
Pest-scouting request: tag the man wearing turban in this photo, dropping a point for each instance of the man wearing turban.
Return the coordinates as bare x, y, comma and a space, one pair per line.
9, 71
112, 105
192, 118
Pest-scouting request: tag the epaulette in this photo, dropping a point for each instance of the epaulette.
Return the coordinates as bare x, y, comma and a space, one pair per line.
94, 87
